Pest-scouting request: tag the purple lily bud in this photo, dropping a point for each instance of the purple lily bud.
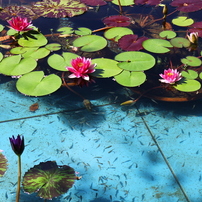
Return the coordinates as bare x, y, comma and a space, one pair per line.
17, 144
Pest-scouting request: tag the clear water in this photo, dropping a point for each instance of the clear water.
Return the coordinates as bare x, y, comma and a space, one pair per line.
149, 152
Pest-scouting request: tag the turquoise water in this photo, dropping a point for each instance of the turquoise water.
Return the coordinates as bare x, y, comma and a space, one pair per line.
146, 152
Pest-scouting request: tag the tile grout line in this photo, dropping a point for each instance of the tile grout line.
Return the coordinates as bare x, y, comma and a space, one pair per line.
166, 161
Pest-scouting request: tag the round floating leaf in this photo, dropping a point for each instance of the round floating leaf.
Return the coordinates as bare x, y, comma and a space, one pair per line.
167, 34
59, 8
18, 50
1, 27
124, 2
191, 61
117, 32
36, 84
200, 75
36, 40
48, 179
90, 43
59, 62
117, 21
105, 68
188, 86
11, 32
189, 74
1, 56
157, 45
130, 79
15, 65
135, 61
36, 54
183, 21
83, 31
66, 30
180, 42
53, 46
3, 164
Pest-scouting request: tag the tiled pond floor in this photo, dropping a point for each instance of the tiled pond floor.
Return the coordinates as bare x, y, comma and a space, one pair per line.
148, 152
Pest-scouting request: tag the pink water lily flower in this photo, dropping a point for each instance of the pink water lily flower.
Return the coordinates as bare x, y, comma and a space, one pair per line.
20, 24
170, 76
81, 68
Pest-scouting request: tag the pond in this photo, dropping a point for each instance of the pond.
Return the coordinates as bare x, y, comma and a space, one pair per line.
106, 135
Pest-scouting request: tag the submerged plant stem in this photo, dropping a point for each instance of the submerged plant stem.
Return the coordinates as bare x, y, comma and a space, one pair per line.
19, 179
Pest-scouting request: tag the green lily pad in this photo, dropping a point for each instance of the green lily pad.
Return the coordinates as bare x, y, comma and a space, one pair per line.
66, 30
116, 33
1, 56
135, 61
190, 74
11, 32
36, 84
83, 31
59, 62
157, 45
183, 21
90, 43
59, 8
188, 86
48, 179
36, 54
15, 65
1, 27
168, 34
39, 40
19, 50
124, 2
130, 79
191, 61
180, 42
105, 68
53, 46
3, 164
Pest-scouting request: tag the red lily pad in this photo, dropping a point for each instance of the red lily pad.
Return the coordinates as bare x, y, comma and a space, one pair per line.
59, 8
131, 42
95, 2
187, 5
48, 179
13, 11
117, 21
196, 27
3, 164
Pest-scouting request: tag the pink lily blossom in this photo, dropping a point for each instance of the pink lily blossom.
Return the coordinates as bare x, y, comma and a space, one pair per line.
20, 24
81, 68
170, 76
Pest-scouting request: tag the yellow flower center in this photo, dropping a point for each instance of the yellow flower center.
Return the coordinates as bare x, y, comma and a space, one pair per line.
170, 74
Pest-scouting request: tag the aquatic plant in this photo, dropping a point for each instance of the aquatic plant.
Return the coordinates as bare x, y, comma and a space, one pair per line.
18, 146
170, 76
3, 164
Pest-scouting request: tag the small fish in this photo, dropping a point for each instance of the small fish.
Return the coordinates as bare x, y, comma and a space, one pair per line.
34, 107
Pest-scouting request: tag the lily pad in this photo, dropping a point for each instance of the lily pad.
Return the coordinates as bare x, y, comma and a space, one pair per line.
135, 61
90, 43
1, 56
105, 68
189, 74
180, 42
200, 75
59, 62
117, 21
124, 2
66, 30
38, 40
15, 65
3, 164
168, 34
157, 45
130, 79
53, 46
183, 21
116, 33
59, 8
188, 86
191, 61
83, 31
36, 84
1, 27
48, 179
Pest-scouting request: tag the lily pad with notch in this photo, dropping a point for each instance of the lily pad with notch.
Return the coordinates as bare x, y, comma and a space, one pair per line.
48, 179
168, 34
65, 30
105, 68
53, 46
135, 61
90, 43
37, 84
183, 21
180, 42
157, 45
188, 85
189, 74
123, 2
191, 61
83, 31
130, 79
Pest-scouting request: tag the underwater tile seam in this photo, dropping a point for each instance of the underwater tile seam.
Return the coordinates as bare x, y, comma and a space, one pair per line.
52, 113
165, 159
